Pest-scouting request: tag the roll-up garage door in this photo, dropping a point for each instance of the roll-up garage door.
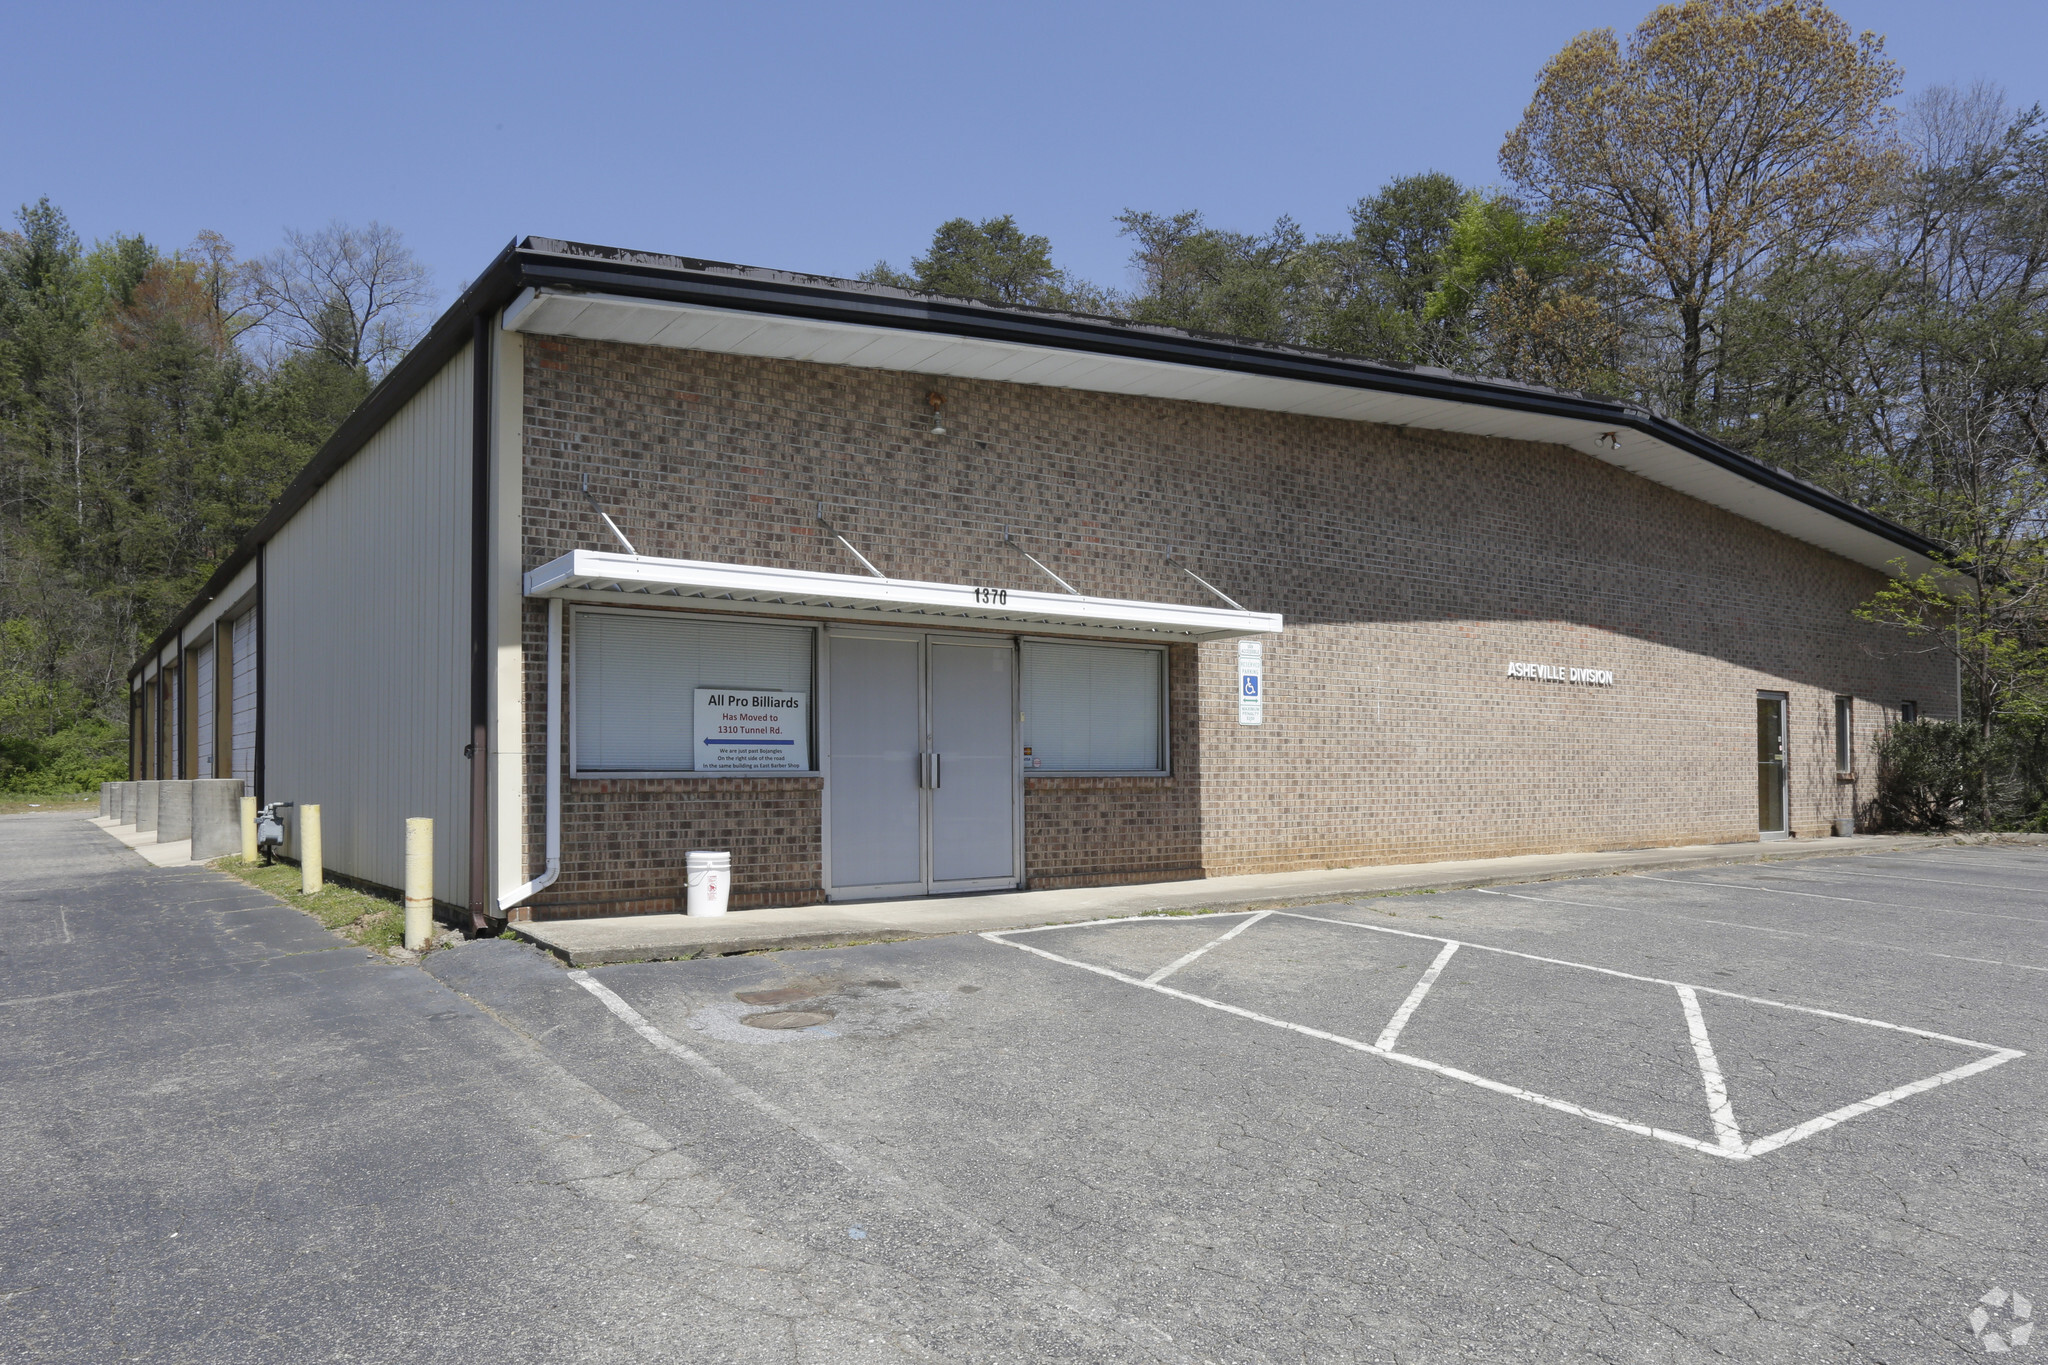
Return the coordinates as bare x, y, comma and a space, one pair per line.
244, 738
199, 663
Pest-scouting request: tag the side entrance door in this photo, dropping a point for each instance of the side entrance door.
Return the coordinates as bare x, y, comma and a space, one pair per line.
1771, 767
921, 786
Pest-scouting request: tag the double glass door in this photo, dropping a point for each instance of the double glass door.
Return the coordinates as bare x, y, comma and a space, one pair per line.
921, 787
1771, 767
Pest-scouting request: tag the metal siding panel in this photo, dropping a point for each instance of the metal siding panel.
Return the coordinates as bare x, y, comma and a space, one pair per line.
368, 663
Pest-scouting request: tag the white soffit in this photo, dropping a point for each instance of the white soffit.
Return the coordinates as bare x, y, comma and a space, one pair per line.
647, 322
596, 576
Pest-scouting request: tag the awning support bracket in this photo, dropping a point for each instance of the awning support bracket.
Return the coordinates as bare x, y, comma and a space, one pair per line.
591, 498
1010, 541
849, 545
1174, 560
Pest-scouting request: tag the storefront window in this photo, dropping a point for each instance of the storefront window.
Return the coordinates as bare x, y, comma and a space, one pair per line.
1094, 708
654, 693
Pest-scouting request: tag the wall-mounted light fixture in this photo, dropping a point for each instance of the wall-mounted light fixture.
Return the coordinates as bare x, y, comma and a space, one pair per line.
1611, 439
936, 400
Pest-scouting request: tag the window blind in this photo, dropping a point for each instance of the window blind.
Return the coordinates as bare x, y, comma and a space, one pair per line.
1093, 708
636, 678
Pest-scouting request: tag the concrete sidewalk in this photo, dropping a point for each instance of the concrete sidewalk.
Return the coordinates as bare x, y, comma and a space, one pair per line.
642, 938
176, 853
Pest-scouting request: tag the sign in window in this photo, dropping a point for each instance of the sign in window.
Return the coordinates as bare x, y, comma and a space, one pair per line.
641, 682
749, 730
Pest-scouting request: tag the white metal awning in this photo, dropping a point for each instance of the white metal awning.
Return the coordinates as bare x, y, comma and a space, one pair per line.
596, 576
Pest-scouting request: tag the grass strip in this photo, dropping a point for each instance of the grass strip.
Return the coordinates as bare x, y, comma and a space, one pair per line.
358, 916
25, 805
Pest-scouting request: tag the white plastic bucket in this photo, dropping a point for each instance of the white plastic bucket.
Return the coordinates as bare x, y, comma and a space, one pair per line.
708, 882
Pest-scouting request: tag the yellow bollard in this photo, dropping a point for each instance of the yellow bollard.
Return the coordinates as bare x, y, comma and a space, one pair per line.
249, 851
419, 882
309, 850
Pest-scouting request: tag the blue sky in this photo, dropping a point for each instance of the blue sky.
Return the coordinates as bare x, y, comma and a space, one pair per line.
806, 136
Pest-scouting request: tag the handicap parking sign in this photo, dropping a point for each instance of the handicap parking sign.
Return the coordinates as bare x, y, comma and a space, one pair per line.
1251, 684
1251, 668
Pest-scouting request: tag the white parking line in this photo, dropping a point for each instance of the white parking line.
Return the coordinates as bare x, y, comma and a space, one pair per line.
882, 1173
1846, 900
1725, 1127
1170, 968
1895, 877
1728, 1141
1979, 860
62, 995
1392, 1032
1850, 1111
852, 1161
1405, 1059
1764, 929
1745, 886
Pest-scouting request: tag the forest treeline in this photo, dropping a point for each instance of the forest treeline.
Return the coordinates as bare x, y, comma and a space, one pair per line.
1727, 215
153, 404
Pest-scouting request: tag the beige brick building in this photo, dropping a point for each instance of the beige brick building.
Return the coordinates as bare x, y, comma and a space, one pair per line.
925, 596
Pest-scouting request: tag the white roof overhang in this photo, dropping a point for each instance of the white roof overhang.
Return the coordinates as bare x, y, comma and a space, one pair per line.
596, 576
690, 326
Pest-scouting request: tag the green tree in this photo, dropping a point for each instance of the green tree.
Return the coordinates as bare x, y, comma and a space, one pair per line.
1527, 297
1369, 291
1730, 134
1206, 279
996, 262
140, 439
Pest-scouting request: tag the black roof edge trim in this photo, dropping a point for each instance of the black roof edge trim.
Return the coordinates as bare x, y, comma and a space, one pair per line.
494, 288
1069, 333
521, 265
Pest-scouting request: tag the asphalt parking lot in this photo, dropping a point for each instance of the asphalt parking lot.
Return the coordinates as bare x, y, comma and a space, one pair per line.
1787, 1112
1780, 1113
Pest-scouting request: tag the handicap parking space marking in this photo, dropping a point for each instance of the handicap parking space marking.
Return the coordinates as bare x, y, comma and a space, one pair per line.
1728, 1141
1766, 929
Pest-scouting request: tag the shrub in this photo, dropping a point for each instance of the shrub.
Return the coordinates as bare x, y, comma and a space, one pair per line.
75, 759
1926, 773
1942, 774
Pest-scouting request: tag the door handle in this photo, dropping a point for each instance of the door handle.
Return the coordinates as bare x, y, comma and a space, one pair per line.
928, 770
938, 770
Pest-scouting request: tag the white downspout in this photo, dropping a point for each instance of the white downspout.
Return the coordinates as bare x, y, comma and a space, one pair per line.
554, 795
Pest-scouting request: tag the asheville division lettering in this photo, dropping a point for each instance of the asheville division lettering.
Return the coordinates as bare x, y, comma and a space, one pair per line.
1596, 677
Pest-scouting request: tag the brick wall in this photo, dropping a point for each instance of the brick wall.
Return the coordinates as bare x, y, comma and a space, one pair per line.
1098, 831
1412, 567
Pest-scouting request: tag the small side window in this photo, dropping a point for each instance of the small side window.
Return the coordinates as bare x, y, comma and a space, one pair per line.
1909, 711
1845, 735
